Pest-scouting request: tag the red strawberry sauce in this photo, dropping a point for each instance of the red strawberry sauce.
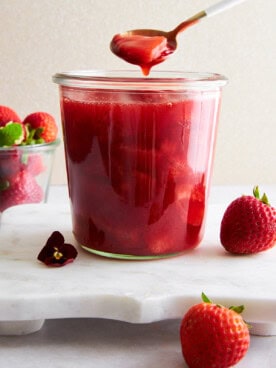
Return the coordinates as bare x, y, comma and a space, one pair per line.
147, 48
138, 165
140, 50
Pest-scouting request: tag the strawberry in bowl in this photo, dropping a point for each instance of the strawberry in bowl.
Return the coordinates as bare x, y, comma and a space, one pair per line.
26, 156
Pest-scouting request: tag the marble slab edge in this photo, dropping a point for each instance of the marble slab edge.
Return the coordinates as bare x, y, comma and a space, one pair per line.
25, 313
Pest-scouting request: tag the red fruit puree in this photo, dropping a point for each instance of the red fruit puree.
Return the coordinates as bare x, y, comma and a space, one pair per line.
138, 165
140, 50
147, 48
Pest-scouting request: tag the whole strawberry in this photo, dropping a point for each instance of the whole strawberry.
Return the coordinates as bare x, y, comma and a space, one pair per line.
34, 164
41, 125
7, 115
248, 225
10, 165
213, 335
23, 188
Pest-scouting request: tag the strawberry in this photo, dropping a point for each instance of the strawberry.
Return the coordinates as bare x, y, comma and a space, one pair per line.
41, 125
248, 225
7, 115
213, 336
23, 188
34, 164
10, 164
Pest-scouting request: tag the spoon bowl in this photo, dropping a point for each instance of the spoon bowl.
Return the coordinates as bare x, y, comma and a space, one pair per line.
148, 47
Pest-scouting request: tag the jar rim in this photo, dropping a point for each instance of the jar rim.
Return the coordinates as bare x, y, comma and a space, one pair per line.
126, 79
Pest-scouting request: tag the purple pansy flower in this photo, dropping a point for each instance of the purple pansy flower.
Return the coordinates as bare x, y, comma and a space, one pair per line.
57, 253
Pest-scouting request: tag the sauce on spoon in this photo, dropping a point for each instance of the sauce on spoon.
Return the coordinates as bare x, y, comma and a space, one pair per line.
147, 47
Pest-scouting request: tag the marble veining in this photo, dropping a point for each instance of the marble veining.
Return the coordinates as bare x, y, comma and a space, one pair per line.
130, 291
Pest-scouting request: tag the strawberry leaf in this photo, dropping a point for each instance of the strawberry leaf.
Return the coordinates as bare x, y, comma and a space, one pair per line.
238, 309
205, 298
264, 199
256, 194
11, 134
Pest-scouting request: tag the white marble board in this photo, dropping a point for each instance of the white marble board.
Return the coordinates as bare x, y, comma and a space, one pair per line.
130, 291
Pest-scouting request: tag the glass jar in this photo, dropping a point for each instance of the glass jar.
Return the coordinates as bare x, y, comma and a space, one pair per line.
139, 155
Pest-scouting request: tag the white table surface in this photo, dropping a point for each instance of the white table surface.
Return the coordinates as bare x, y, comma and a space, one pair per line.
107, 343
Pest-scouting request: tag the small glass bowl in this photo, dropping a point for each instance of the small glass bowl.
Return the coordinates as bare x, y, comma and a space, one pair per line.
25, 173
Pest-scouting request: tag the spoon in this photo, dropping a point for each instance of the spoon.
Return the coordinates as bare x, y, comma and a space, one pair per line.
148, 47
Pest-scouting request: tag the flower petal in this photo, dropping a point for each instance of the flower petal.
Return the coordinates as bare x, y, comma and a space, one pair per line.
56, 239
56, 253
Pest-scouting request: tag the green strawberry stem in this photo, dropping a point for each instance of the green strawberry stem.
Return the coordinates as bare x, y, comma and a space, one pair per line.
238, 309
263, 199
33, 135
11, 134
205, 298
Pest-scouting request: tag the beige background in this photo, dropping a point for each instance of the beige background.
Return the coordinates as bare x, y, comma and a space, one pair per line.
39, 38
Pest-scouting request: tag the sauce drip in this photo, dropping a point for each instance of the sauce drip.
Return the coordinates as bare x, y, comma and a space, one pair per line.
147, 47
142, 50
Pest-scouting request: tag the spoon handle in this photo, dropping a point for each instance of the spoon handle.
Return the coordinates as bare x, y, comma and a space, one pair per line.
215, 9
212, 10
221, 6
